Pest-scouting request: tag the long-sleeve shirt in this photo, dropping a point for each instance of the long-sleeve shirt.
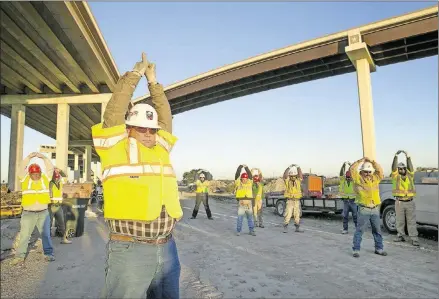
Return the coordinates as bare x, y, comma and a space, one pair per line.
115, 115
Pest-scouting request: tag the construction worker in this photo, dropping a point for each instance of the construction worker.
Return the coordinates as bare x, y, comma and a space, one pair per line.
244, 196
293, 193
202, 194
367, 175
348, 195
140, 189
55, 207
35, 201
258, 192
404, 192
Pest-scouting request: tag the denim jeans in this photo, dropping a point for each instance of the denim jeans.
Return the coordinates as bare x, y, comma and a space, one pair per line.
247, 211
349, 206
373, 216
27, 224
139, 270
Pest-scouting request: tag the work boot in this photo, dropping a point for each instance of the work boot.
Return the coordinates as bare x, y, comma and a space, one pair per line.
261, 226
298, 229
344, 232
399, 239
380, 252
17, 261
285, 228
49, 258
253, 233
210, 218
192, 217
66, 241
356, 253
238, 233
415, 243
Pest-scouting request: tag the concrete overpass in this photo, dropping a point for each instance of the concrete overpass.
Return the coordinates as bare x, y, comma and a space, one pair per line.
57, 73
361, 50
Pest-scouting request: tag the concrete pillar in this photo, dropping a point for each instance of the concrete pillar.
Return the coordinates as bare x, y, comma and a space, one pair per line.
18, 115
103, 107
62, 136
87, 163
76, 172
359, 55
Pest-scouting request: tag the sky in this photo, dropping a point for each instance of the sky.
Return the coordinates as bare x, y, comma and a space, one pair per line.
315, 124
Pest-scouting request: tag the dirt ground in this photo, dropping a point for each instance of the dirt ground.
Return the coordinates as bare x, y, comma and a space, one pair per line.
218, 264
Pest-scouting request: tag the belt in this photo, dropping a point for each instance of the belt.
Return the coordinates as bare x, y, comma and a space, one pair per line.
123, 238
367, 207
35, 211
404, 200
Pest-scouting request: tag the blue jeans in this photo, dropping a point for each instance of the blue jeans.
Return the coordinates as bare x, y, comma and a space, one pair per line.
27, 224
349, 206
373, 216
139, 270
247, 211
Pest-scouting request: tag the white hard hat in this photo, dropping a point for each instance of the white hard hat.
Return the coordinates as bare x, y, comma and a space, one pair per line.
255, 172
144, 116
293, 171
202, 175
367, 166
401, 165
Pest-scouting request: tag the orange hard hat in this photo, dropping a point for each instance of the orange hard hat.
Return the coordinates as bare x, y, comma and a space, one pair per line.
34, 168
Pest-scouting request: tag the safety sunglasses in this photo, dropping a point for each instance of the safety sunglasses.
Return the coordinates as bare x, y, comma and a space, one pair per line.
143, 130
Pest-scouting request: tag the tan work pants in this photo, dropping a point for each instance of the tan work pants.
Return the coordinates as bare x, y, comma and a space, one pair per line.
257, 212
292, 210
406, 211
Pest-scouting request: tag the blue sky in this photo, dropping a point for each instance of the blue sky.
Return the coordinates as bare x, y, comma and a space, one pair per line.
314, 124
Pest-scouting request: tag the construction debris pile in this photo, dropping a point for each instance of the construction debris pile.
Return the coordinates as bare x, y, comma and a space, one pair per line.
277, 185
9, 199
216, 186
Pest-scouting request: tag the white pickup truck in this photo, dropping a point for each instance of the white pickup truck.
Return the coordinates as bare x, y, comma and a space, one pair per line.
427, 200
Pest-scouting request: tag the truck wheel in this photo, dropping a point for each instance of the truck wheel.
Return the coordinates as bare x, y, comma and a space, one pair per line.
389, 218
280, 207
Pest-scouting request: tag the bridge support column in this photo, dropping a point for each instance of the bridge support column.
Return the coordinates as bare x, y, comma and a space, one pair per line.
18, 116
103, 107
62, 136
359, 55
76, 171
87, 164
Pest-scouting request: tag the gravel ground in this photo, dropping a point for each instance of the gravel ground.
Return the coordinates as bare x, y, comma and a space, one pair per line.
218, 264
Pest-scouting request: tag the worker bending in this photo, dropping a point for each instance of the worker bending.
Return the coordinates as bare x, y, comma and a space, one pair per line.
367, 175
140, 189
403, 189
258, 193
348, 195
293, 193
55, 207
202, 194
244, 196
35, 200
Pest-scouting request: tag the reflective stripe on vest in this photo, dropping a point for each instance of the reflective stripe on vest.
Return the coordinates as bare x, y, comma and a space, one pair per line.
293, 189
398, 189
366, 194
31, 196
107, 142
244, 190
56, 198
347, 191
138, 170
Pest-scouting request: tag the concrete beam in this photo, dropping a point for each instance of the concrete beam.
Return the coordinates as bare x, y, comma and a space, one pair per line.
53, 99
62, 136
80, 143
18, 115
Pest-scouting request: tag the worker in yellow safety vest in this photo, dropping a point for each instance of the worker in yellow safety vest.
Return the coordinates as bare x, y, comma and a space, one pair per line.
140, 188
202, 194
35, 200
293, 193
55, 207
244, 196
348, 195
258, 193
404, 191
367, 175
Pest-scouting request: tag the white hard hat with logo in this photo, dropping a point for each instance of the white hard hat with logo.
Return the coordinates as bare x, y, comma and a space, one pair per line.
293, 171
202, 175
143, 116
401, 165
367, 166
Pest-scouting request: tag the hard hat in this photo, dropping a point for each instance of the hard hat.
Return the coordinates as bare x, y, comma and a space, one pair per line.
255, 172
367, 166
244, 175
256, 179
202, 175
401, 165
348, 174
144, 116
293, 171
34, 168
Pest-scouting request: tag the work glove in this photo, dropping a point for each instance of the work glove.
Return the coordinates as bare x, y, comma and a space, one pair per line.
141, 66
398, 152
150, 73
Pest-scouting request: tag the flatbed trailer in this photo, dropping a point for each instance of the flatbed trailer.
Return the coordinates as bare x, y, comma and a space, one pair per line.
324, 204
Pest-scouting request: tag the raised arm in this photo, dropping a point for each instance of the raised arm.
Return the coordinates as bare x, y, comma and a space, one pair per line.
378, 170
48, 165
395, 163
159, 99
117, 107
299, 171
285, 176
24, 164
409, 163
238, 172
342, 170
249, 173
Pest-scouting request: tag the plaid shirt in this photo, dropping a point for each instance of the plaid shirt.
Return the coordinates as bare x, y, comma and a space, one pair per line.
162, 226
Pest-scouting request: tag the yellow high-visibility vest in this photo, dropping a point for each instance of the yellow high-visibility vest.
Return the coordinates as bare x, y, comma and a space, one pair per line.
367, 192
244, 190
57, 192
346, 190
259, 188
202, 187
34, 191
403, 188
293, 188
137, 180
